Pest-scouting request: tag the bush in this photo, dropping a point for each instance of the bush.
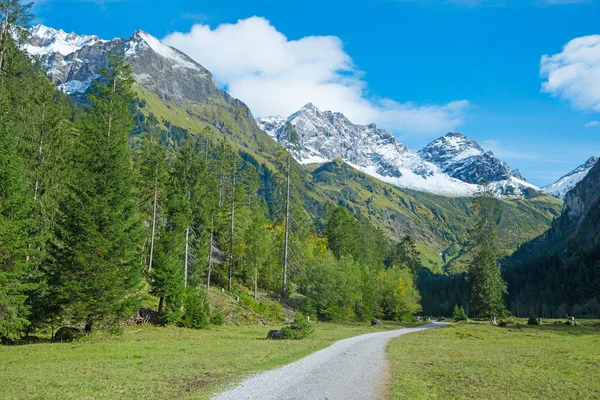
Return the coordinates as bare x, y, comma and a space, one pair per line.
276, 313
217, 319
68, 334
459, 314
197, 311
408, 318
532, 320
299, 329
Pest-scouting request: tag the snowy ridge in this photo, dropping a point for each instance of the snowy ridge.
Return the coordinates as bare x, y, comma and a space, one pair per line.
72, 60
450, 166
560, 188
46, 40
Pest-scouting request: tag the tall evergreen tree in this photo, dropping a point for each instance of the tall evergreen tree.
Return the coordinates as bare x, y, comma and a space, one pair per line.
487, 285
15, 205
96, 258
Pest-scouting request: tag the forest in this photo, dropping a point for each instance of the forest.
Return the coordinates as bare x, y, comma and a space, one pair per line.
102, 207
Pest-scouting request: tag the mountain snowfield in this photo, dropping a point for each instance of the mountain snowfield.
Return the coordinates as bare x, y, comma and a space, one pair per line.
450, 166
560, 188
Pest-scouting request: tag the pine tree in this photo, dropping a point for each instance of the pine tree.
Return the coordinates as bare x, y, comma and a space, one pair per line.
487, 285
15, 224
16, 221
96, 268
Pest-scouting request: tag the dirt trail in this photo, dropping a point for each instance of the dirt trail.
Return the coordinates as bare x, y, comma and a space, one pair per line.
351, 369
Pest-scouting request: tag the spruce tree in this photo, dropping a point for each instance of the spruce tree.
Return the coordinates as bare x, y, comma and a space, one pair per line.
15, 223
487, 285
15, 204
96, 267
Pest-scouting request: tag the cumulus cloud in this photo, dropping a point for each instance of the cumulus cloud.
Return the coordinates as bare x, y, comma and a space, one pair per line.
592, 124
274, 75
574, 73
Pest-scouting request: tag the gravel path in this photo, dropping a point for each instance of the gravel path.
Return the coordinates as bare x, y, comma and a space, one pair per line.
351, 369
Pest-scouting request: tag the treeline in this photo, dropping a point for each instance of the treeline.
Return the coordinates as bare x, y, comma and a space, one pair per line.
556, 284
90, 226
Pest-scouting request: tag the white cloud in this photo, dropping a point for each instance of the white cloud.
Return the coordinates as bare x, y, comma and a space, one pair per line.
574, 74
503, 152
592, 124
275, 75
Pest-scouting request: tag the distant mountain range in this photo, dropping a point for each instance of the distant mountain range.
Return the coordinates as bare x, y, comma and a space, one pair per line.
452, 165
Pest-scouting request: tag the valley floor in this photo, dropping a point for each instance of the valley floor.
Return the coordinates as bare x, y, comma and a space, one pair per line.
155, 363
480, 361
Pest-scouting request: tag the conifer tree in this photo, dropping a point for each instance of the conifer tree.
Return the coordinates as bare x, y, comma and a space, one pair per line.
487, 285
15, 224
99, 236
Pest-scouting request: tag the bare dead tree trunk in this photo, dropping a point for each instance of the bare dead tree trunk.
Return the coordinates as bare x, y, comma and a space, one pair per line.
287, 229
210, 250
232, 225
187, 252
39, 157
255, 280
153, 221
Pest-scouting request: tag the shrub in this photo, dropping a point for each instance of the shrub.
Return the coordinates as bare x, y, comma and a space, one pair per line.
276, 313
459, 314
533, 320
408, 318
217, 319
197, 311
299, 329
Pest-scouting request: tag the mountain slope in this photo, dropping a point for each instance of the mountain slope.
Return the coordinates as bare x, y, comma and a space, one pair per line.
561, 268
560, 188
451, 165
440, 225
175, 87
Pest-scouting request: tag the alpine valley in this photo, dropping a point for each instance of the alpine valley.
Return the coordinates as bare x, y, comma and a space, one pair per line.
425, 193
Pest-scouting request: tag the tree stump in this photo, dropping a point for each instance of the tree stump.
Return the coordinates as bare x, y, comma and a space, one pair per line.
275, 335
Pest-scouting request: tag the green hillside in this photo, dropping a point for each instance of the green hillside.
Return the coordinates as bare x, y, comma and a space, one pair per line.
439, 224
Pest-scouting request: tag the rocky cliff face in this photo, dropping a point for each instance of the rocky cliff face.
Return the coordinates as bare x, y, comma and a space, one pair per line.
465, 159
73, 62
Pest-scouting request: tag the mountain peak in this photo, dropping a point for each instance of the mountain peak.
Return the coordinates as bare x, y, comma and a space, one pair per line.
590, 162
464, 159
310, 106
561, 187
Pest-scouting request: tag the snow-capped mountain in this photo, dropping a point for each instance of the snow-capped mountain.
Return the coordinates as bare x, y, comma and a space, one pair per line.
560, 188
465, 159
450, 166
73, 61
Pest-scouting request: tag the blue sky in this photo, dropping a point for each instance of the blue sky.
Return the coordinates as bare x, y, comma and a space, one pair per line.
417, 67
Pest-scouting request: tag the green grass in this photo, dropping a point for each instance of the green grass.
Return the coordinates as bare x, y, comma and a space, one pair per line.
154, 363
479, 361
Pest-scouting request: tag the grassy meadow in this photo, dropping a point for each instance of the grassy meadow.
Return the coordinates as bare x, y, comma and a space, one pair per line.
155, 363
480, 361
